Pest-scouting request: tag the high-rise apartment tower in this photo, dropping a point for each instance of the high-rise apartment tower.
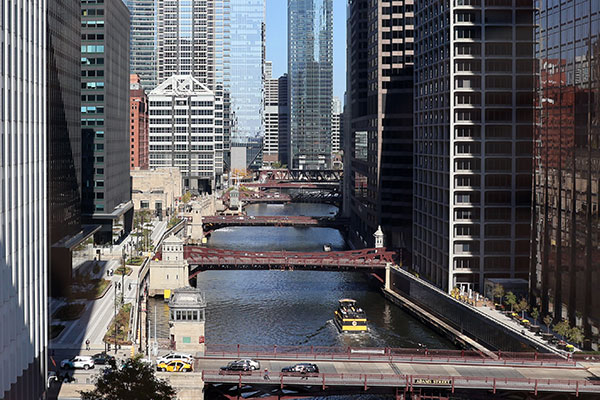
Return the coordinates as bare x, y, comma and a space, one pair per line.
472, 140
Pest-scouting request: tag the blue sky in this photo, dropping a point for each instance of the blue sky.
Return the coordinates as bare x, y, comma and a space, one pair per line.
277, 41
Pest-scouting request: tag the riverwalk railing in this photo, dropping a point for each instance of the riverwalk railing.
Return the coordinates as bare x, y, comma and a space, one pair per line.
409, 382
386, 354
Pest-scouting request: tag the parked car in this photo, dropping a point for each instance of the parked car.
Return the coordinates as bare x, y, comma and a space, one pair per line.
174, 366
85, 362
303, 368
244, 364
188, 358
102, 358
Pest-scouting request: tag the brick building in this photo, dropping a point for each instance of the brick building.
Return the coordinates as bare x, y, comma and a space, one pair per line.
138, 127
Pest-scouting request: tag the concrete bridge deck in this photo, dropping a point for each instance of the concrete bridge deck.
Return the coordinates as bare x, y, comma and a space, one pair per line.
406, 375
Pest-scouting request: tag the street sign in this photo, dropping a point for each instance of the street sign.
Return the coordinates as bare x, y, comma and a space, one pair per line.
428, 381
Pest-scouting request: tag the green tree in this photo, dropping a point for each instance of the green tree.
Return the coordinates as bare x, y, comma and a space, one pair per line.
511, 300
186, 197
547, 321
575, 335
276, 165
521, 307
498, 292
562, 328
135, 380
535, 314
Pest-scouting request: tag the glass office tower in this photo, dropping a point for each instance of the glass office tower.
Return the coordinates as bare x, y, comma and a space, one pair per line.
194, 39
564, 270
310, 69
142, 41
106, 191
247, 60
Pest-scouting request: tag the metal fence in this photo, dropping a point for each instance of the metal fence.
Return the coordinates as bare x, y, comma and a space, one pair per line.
385, 354
404, 381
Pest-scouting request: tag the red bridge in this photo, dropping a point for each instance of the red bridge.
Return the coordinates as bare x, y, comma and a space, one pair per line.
216, 222
203, 259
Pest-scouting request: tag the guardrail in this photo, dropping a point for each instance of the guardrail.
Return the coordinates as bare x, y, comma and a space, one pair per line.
409, 382
386, 354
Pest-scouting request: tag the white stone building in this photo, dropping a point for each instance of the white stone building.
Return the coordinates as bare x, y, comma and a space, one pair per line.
183, 132
336, 114
271, 115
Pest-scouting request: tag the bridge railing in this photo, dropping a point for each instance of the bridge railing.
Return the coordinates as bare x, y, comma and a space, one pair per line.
403, 381
383, 354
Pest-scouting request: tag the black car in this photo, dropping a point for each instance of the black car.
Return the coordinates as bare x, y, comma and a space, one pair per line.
303, 368
102, 358
242, 365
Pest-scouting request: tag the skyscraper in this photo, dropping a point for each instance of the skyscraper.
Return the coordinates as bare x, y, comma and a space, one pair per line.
336, 114
271, 118
310, 71
194, 39
24, 206
142, 41
472, 149
105, 116
246, 62
380, 103
139, 115
564, 267
182, 127
64, 139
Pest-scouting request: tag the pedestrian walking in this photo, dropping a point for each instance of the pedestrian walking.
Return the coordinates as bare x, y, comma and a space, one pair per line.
267, 378
87, 344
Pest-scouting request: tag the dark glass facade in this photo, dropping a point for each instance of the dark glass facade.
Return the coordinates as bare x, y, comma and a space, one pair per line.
565, 269
104, 112
64, 135
380, 107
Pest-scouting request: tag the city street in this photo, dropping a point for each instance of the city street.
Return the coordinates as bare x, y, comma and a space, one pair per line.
94, 322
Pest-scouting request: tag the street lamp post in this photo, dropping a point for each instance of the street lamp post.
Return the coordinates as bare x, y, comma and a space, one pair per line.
115, 327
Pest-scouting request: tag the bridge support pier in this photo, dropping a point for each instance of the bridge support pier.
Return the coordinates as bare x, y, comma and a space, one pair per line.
388, 276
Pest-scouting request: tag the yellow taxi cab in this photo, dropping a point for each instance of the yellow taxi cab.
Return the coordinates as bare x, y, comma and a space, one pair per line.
174, 366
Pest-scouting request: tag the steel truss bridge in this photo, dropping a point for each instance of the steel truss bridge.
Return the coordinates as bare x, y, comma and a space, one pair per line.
405, 373
300, 175
216, 222
367, 260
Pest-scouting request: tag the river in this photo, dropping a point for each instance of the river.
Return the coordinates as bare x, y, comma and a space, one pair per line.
295, 307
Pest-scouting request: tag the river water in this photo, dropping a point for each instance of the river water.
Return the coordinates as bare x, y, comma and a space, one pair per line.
295, 307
